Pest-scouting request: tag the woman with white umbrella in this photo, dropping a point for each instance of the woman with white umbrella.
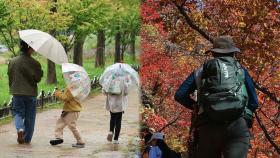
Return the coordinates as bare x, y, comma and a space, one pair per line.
24, 73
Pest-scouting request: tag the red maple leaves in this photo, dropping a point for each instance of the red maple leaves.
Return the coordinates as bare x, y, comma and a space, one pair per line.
255, 28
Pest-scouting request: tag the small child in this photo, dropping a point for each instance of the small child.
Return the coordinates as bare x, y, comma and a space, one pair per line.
69, 117
116, 104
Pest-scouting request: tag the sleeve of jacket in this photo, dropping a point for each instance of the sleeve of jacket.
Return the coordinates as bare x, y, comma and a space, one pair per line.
38, 72
10, 74
66, 96
253, 98
182, 95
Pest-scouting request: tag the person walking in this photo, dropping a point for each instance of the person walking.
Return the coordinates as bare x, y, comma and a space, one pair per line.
116, 104
69, 117
24, 73
227, 100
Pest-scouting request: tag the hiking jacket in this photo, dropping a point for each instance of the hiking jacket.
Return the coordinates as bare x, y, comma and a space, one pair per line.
189, 86
70, 104
155, 152
24, 73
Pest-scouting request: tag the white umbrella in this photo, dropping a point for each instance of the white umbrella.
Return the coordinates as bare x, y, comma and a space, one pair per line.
118, 73
45, 44
77, 80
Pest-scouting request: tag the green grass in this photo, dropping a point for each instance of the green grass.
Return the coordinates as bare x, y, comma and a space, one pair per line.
4, 88
88, 64
6, 120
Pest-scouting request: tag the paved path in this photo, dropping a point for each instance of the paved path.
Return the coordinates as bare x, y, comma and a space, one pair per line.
93, 124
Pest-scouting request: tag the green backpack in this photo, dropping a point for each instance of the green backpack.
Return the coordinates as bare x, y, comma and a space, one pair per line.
222, 92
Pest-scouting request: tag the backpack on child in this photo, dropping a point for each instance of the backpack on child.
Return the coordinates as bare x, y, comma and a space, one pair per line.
115, 87
222, 93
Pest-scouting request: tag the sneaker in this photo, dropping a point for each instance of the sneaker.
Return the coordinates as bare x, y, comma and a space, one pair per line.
20, 138
56, 141
78, 145
110, 136
116, 142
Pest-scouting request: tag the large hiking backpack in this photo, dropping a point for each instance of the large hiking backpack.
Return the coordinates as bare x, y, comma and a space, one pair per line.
222, 93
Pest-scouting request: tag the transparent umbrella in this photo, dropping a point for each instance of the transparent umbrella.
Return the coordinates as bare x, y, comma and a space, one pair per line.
77, 80
118, 74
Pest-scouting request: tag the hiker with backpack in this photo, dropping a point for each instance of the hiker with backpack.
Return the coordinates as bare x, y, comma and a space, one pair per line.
116, 102
116, 81
227, 100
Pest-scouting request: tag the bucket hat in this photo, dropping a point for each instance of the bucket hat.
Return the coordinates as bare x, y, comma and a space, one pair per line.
223, 45
159, 136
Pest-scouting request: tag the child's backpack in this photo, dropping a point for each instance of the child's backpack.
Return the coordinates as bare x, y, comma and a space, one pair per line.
222, 93
115, 87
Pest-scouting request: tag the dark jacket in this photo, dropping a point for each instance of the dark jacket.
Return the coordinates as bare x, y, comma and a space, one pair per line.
24, 73
189, 86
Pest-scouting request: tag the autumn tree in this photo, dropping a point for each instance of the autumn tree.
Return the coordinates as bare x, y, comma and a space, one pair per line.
86, 16
177, 33
125, 26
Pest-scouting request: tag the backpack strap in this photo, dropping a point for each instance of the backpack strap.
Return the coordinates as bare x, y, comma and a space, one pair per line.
198, 78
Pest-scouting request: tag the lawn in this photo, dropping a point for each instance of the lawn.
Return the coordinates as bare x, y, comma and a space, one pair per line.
88, 65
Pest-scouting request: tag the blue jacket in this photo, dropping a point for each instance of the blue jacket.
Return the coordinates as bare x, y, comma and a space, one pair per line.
189, 86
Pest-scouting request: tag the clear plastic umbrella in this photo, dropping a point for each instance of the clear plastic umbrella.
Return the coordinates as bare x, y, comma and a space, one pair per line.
77, 80
45, 44
116, 75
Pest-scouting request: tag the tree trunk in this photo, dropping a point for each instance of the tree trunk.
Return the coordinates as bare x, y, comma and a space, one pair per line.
51, 74
78, 51
132, 47
118, 47
100, 52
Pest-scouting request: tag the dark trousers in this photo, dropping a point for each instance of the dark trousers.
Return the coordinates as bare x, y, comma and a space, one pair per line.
230, 140
115, 124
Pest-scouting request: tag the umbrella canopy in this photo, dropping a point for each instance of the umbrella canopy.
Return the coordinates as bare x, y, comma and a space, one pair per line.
45, 44
77, 80
118, 73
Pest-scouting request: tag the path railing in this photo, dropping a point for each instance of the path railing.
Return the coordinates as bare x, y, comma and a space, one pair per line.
44, 98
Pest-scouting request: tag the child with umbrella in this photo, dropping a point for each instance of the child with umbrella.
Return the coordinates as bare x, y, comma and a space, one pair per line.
115, 81
78, 88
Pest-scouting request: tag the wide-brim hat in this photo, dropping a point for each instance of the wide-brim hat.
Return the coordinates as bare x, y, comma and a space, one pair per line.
223, 45
159, 136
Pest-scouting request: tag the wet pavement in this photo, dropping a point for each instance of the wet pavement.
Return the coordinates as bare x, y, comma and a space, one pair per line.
93, 125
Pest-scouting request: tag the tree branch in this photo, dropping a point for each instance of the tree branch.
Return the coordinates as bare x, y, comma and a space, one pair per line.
264, 90
275, 123
171, 122
266, 134
191, 24
10, 46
